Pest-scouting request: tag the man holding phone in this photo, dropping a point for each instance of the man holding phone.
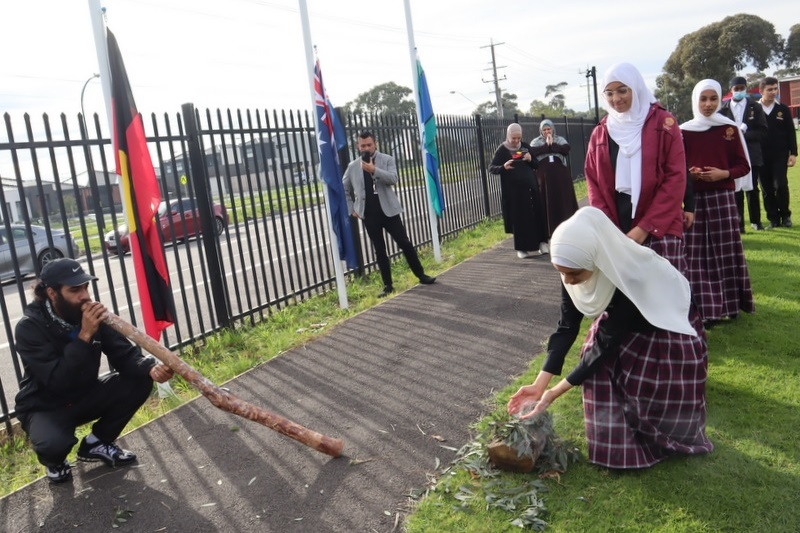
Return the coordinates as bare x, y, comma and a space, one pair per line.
368, 184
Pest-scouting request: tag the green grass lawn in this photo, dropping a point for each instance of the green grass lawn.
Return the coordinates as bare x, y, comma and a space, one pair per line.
750, 483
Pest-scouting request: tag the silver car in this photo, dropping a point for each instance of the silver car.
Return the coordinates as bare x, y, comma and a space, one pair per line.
31, 261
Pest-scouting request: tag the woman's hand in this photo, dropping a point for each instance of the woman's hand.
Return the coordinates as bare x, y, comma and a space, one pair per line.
527, 157
638, 235
714, 174
549, 140
508, 165
529, 393
688, 219
548, 398
523, 398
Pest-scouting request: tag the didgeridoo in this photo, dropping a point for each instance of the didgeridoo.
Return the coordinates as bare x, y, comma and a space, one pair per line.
223, 399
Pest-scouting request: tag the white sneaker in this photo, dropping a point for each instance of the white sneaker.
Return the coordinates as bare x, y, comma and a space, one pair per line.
522, 255
544, 248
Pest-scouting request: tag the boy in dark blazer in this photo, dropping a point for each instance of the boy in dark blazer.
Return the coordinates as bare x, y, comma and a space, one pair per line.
749, 116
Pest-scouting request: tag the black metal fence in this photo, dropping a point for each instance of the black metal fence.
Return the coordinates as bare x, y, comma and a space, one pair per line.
261, 167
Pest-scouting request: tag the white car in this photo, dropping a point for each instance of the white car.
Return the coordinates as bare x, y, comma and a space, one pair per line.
31, 260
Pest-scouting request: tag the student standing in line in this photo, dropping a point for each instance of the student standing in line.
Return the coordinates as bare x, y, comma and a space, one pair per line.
636, 167
780, 152
749, 117
716, 155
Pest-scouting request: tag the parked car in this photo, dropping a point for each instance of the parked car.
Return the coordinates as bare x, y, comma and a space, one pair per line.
179, 219
30, 260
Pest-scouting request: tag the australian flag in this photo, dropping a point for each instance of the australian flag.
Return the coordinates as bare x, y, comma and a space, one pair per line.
331, 139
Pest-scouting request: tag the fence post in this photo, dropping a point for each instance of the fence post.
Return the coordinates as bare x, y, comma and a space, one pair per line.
199, 176
482, 163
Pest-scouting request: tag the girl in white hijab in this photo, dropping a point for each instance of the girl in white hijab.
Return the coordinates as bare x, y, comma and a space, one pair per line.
700, 122
644, 362
635, 165
626, 128
717, 158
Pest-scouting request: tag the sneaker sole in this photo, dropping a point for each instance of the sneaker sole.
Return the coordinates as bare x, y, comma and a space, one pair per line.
112, 464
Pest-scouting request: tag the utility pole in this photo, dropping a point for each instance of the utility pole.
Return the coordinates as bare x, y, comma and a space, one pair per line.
593, 73
495, 80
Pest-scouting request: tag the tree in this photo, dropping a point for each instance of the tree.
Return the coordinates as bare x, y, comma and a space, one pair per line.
558, 101
754, 78
791, 54
717, 51
510, 107
387, 98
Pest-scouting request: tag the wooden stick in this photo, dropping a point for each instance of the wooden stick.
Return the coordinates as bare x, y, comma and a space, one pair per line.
223, 399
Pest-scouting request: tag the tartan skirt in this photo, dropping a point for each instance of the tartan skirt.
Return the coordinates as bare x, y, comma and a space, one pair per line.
648, 403
671, 248
717, 266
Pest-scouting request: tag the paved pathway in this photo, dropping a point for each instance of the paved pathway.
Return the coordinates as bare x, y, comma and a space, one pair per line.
390, 382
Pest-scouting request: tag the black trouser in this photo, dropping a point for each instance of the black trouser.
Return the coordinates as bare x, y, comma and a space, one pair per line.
753, 201
375, 223
775, 186
112, 402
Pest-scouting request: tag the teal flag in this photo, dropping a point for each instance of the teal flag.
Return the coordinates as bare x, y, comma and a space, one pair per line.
428, 122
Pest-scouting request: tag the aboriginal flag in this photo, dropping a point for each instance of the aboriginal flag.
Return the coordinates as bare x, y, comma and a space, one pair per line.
142, 197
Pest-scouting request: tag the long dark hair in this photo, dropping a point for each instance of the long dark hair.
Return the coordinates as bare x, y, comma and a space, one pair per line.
40, 290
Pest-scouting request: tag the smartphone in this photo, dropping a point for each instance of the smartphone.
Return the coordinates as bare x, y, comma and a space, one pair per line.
365, 157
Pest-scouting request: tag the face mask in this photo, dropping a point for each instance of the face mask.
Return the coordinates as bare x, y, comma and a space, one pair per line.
739, 95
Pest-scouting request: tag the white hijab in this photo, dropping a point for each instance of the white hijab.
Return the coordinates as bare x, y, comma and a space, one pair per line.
626, 128
590, 241
702, 123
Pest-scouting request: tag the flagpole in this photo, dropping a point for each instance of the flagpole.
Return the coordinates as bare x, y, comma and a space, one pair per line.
96, 12
337, 261
412, 51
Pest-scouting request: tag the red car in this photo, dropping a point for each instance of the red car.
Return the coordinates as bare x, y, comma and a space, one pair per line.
181, 220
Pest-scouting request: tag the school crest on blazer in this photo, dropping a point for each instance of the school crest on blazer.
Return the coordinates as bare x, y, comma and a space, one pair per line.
729, 133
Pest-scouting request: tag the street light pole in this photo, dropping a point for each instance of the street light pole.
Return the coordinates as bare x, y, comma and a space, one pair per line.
83, 91
467, 97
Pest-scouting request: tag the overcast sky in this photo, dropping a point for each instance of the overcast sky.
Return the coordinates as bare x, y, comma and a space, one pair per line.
249, 53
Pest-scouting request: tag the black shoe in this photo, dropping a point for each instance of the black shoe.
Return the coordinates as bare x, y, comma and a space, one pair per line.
60, 473
773, 225
427, 280
387, 290
787, 222
741, 231
109, 453
758, 226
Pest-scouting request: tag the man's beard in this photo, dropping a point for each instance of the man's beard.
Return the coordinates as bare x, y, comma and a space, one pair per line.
69, 312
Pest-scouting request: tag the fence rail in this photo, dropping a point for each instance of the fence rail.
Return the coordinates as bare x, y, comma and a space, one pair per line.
262, 167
